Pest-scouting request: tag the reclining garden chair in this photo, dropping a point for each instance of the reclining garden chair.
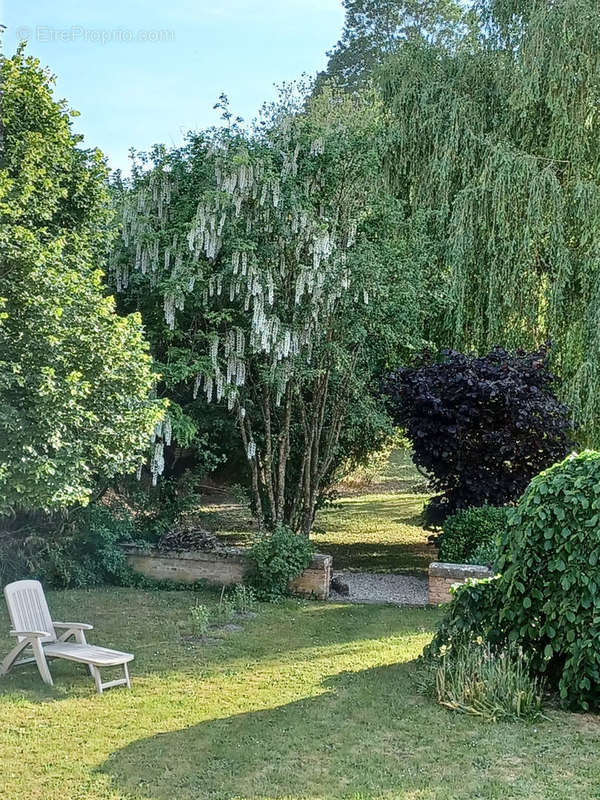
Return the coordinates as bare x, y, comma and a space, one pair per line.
33, 627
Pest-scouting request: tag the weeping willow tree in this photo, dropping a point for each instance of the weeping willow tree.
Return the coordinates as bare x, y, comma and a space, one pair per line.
495, 150
270, 255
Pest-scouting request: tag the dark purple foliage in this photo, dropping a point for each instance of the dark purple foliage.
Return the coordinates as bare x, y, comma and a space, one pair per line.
480, 427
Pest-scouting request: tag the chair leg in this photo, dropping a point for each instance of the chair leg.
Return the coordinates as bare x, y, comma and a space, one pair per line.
126, 671
98, 680
40, 660
12, 657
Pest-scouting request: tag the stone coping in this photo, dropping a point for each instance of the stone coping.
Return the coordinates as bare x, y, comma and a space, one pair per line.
319, 560
460, 572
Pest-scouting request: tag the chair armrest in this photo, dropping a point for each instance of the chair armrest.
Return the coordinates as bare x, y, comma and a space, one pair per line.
81, 626
30, 634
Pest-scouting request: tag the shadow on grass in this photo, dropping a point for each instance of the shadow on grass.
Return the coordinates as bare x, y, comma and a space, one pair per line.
378, 556
150, 625
356, 737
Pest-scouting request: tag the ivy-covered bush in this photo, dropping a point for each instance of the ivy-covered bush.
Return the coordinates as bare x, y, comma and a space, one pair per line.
473, 614
469, 531
547, 597
481, 427
551, 577
278, 558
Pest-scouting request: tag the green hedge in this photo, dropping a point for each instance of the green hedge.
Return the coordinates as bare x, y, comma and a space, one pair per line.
471, 536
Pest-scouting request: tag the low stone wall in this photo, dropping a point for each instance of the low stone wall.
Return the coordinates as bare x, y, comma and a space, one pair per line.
443, 576
226, 566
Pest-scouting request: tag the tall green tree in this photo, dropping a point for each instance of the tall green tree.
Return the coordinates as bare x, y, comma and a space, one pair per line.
494, 150
374, 29
274, 256
75, 378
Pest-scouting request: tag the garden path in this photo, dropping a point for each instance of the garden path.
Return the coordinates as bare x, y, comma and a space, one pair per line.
370, 587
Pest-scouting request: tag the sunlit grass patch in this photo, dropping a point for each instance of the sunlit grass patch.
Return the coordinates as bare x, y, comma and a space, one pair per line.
310, 701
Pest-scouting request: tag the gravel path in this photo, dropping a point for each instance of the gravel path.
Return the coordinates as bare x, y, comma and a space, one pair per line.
370, 587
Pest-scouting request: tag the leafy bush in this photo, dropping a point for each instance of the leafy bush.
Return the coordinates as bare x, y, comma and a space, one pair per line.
485, 553
551, 577
547, 597
78, 550
90, 554
481, 427
278, 558
473, 613
474, 678
469, 531
200, 617
161, 509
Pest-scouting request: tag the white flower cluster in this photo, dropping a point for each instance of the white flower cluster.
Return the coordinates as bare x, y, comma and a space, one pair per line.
160, 438
218, 384
151, 205
307, 246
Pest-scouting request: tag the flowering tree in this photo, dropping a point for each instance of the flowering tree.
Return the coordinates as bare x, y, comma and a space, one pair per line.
267, 242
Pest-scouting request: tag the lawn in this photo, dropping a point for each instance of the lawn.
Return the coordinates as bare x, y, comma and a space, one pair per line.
374, 528
309, 700
375, 533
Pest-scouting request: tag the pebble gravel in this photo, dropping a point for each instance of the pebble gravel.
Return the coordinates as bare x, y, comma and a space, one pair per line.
370, 587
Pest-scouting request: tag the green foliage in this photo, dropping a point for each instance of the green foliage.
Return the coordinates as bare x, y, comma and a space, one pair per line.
494, 147
547, 597
473, 613
76, 550
87, 552
277, 559
243, 599
162, 508
373, 29
368, 464
473, 678
200, 618
470, 531
265, 264
550, 560
485, 554
75, 408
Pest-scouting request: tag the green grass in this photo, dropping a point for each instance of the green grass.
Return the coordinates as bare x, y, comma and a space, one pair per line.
375, 533
374, 528
397, 474
311, 700
369, 532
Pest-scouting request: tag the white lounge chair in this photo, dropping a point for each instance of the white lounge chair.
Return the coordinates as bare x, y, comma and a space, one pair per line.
33, 627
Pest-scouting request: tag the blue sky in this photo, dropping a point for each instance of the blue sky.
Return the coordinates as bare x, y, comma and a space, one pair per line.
145, 72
